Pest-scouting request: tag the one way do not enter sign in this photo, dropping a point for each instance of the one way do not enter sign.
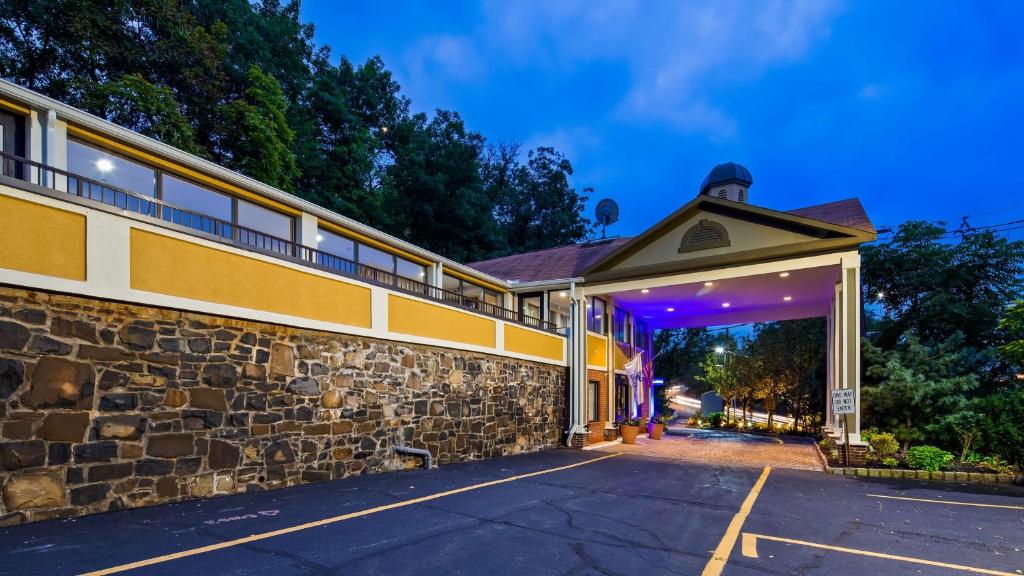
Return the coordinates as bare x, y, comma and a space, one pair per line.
844, 401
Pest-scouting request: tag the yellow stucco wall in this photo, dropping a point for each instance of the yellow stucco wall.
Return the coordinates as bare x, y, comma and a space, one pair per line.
523, 341
416, 318
41, 240
597, 351
176, 267
620, 356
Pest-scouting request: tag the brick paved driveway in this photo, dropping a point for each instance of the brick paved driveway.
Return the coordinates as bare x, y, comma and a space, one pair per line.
725, 448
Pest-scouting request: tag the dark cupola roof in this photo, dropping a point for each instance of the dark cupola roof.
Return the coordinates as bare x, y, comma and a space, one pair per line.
727, 173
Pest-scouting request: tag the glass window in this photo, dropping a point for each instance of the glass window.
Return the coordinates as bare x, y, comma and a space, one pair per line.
451, 284
492, 297
336, 251
558, 308
593, 400
471, 291
370, 256
597, 318
530, 306
623, 324
642, 339
412, 270
264, 220
185, 194
335, 244
109, 168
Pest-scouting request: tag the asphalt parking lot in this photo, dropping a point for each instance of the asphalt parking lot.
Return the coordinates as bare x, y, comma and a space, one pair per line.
557, 512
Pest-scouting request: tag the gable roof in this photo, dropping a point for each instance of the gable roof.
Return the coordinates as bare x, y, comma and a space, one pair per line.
550, 264
574, 260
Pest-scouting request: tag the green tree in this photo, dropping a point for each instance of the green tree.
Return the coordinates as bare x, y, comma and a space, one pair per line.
918, 387
259, 140
536, 205
678, 355
1013, 326
134, 103
936, 288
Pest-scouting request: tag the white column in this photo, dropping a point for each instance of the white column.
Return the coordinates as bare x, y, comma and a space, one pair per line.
308, 229
851, 337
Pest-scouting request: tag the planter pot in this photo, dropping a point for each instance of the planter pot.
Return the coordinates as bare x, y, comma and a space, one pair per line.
654, 431
629, 433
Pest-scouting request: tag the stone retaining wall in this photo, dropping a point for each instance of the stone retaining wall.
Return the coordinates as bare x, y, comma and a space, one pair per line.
105, 406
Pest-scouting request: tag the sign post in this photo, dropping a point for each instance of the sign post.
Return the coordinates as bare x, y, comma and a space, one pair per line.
844, 401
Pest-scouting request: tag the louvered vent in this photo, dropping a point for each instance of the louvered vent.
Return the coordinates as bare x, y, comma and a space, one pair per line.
704, 235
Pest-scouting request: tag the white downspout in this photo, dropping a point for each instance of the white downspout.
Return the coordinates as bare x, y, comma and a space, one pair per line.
575, 377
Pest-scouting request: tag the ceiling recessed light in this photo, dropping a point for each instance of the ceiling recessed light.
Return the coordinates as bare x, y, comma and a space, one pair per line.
787, 298
726, 304
670, 309
709, 284
644, 291
784, 275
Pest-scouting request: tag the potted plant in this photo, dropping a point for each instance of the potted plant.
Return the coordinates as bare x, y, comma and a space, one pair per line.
629, 428
656, 427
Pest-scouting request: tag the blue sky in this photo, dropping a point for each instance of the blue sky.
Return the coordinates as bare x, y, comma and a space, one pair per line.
917, 108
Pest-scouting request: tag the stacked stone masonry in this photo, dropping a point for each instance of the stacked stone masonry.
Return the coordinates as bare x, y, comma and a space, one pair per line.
105, 406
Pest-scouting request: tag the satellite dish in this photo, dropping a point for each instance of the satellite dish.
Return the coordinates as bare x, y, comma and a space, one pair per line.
607, 212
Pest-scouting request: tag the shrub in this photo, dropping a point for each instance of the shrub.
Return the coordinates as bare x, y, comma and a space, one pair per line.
829, 447
890, 462
928, 458
883, 445
715, 419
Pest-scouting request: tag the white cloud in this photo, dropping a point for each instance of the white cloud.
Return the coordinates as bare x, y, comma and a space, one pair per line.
571, 141
679, 56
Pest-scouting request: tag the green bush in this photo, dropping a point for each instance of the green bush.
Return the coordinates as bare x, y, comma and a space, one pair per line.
883, 445
890, 462
829, 447
715, 419
928, 458
1001, 430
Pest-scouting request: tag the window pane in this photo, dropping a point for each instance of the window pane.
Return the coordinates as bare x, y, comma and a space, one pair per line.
452, 284
370, 256
411, 270
492, 297
558, 308
335, 244
471, 291
110, 168
594, 389
596, 316
531, 308
264, 220
336, 251
187, 195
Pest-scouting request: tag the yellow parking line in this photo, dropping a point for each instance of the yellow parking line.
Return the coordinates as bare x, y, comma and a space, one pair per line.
721, 554
332, 520
749, 548
951, 502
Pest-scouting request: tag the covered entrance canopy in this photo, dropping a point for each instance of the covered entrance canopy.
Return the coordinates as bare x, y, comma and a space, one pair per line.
717, 260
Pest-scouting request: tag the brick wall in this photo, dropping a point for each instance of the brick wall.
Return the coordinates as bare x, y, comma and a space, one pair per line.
106, 406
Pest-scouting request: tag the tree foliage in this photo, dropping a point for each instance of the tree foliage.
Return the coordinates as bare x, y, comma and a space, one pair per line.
245, 85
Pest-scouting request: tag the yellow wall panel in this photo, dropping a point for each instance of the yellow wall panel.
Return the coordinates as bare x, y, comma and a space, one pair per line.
620, 356
188, 270
41, 239
415, 318
523, 341
597, 351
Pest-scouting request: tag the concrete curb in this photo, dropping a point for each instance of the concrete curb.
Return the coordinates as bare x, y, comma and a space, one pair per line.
897, 474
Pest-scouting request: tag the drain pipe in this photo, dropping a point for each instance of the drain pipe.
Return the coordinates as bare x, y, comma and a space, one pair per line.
428, 461
574, 349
